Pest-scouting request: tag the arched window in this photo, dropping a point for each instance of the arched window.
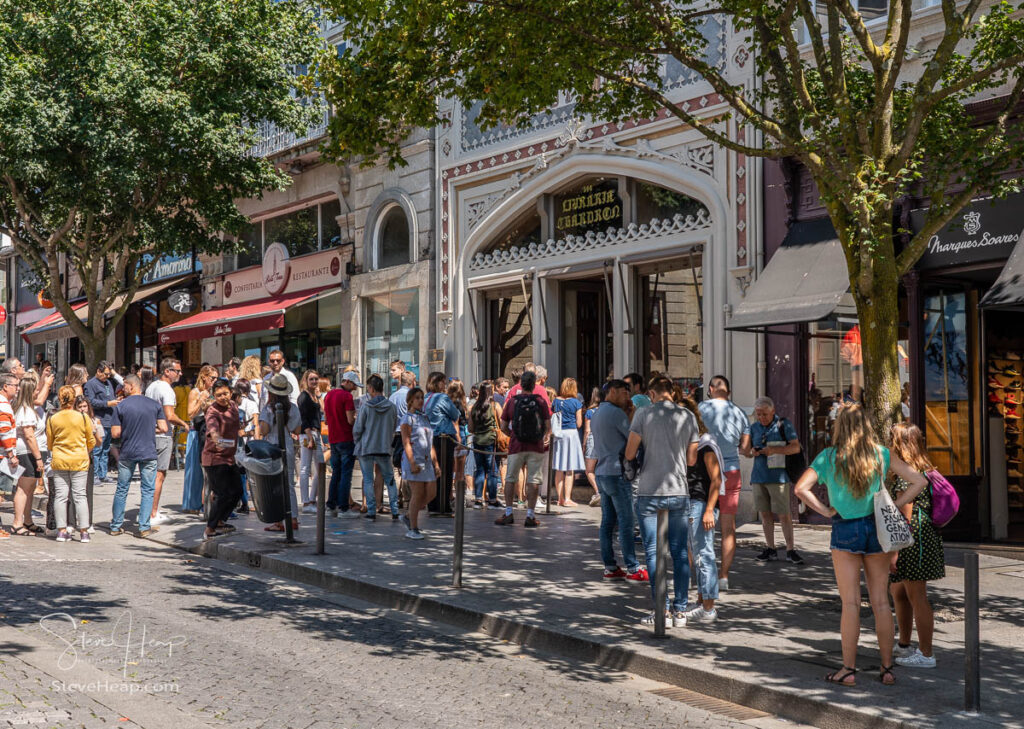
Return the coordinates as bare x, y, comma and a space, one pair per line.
393, 244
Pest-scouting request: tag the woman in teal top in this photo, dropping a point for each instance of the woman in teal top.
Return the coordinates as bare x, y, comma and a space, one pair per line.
853, 471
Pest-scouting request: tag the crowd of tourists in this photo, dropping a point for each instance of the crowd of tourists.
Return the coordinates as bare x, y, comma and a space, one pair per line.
640, 445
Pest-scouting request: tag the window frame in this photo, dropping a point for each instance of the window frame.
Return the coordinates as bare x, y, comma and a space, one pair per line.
384, 209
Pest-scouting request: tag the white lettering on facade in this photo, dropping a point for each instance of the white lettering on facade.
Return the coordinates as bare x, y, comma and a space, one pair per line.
935, 244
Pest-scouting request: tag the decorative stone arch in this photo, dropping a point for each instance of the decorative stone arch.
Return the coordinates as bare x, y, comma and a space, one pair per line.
673, 176
377, 213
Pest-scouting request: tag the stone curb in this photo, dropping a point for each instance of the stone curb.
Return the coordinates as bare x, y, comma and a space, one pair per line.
795, 707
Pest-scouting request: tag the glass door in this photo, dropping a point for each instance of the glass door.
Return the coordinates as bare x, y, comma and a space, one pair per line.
392, 332
952, 420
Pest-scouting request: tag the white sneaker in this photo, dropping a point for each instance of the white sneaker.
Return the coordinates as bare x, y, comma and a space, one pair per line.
158, 518
649, 620
916, 660
414, 534
91, 529
308, 509
700, 615
679, 620
350, 514
899, 651
723, 584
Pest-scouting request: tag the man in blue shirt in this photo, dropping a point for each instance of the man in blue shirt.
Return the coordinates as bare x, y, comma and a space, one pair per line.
100, 392
772, 439
730, 427
136, 420
610, 426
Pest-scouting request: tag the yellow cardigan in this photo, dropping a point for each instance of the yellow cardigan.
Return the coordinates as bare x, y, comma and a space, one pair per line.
71, 440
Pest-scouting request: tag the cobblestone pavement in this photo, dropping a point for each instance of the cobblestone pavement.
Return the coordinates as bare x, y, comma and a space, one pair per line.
210, 646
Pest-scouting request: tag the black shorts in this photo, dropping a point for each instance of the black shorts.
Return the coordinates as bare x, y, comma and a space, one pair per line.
26, 461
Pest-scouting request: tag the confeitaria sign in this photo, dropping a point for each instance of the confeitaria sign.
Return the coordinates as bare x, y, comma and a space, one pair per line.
279, 274
986, 230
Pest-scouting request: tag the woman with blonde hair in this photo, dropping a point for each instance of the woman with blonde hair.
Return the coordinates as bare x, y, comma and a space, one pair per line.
28, 431
854, 469
567, 457
199, 400
914, 566
251, 370
72, 437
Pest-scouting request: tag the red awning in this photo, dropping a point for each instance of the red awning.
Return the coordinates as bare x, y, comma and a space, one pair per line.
235, 319
50, 325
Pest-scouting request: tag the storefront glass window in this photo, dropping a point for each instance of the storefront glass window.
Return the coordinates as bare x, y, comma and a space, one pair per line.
330, 229
673, 323
393, 243
297, 230
947, 382
392, 332
836, 369
657, 202
511, 335
252, 247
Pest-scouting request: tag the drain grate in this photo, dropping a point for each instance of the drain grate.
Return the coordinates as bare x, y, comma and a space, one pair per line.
709, 703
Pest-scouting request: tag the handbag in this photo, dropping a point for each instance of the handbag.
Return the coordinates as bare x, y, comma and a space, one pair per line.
945, 500
501, 440
892, 527
556, 424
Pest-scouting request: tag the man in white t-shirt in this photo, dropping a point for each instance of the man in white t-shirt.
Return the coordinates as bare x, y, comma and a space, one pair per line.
162, 391
276, 361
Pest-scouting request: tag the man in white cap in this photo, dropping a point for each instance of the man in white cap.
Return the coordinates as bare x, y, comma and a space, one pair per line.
340, 413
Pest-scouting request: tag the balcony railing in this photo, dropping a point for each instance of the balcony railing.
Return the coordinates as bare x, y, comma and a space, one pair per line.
274, 141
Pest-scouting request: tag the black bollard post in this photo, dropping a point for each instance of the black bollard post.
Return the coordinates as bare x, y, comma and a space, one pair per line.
551, 476
321, 505
660, 574
460, 525
972, 637
289, 534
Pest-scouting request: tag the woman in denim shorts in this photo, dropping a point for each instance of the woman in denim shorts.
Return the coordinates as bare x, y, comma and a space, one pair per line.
854, 470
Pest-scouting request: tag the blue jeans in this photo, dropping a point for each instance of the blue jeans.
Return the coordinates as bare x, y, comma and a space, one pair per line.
702, 542
366, 464
147, 473
342, 462
647, 508
100, 456
617, 506
485, 471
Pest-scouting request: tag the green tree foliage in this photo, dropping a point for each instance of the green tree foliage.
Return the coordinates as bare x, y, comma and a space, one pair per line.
874, 112
126, 129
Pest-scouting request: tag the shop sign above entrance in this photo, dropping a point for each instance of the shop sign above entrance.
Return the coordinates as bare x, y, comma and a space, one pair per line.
983, 231
280, 274
168, 266
181, 302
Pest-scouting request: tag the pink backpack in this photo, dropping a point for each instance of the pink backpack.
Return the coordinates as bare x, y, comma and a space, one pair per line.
945, 501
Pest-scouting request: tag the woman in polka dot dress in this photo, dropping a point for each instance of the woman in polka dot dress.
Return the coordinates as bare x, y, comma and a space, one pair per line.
914, 566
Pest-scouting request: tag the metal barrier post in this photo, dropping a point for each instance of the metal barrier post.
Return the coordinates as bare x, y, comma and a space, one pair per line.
551, 476
289, 534
660, 574
972, 643
321, 504
460, 525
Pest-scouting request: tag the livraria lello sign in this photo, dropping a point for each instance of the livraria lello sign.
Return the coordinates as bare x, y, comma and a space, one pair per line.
986, 230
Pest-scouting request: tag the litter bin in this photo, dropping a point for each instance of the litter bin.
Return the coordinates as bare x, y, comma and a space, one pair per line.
266, 486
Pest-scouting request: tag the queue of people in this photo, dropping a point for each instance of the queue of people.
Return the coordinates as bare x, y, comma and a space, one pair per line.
643, 445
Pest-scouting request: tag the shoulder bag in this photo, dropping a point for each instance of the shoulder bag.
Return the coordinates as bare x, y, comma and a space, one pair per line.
892, 527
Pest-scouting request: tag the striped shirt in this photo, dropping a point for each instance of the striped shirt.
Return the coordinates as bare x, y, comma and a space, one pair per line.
8, 432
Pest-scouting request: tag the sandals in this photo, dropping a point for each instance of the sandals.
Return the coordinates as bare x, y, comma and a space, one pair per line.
35, 528
884, 671
22, 531
839, 678
274, 528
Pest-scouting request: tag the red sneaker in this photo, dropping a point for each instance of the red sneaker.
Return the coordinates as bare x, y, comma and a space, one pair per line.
617, 574
639, 576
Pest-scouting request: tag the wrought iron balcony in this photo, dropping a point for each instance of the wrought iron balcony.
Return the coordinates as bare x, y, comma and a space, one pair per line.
274, 141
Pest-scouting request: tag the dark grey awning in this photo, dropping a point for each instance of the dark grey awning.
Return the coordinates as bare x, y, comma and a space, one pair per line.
806, 280
1008, 290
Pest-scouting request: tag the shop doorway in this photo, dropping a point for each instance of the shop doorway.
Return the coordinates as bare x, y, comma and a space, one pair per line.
587, 341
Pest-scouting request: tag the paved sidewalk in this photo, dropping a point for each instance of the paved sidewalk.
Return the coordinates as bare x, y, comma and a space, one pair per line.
776, 638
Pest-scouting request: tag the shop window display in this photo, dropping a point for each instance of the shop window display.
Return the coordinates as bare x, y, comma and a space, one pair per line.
392, 332
947, 382
1004, 379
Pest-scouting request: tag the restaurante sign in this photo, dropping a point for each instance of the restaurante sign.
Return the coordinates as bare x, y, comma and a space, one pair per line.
280, 275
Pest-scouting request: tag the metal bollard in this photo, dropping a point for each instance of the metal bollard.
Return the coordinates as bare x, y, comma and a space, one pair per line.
551, 477
460, 525
289, 534
321, 506
972, 637
660, 574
